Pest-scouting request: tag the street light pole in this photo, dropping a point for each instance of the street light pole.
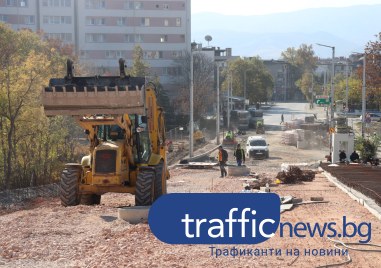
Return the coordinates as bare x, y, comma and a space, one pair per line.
244, 90
346, 86
191, 108
218, 105
332, 79
229, 88
363, 95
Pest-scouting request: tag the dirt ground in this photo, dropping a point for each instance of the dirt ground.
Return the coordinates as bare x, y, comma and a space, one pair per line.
44, 234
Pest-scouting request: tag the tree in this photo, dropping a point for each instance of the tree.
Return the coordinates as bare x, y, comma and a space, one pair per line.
203, 81
31, 146
259, 82
307, 85
373, 71
139, 66
303, 62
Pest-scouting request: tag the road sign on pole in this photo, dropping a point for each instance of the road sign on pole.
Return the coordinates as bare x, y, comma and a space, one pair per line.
322, 101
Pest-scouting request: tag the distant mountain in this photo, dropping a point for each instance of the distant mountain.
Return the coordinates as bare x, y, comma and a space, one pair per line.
347, 28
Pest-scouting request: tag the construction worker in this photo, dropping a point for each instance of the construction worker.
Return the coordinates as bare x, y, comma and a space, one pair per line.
342, 156
229, 135
354, 157
239, 154
222, 159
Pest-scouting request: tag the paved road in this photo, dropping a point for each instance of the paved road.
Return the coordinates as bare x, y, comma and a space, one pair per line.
290, 111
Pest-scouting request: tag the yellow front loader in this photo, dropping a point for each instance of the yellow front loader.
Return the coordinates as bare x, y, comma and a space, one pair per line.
125, 128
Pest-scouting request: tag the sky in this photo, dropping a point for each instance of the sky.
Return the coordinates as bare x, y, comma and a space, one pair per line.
262, 7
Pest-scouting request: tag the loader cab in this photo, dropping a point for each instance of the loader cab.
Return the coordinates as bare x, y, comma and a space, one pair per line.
142, 144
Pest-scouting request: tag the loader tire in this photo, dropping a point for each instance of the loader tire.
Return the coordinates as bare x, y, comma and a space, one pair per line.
159, 190
69, 188
145, 188
90, 199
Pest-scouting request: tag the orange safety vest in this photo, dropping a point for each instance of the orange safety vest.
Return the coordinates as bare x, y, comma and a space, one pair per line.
220, 156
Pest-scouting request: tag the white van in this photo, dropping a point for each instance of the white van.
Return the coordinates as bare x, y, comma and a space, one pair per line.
257, 147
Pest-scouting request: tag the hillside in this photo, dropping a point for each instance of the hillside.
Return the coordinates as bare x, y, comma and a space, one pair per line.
269, 35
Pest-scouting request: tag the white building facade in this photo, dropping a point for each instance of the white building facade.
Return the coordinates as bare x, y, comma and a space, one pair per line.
102, 31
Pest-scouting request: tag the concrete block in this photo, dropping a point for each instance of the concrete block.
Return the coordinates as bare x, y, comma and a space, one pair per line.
238, 171
134, 215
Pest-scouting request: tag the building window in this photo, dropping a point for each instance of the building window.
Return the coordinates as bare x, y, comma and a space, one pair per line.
153, 55
133, 5
164, 39
95, 21
65, 3
3, 18
56, 3
112, 54
121, 21
96, 4
127, 38
65, 37
166, 22
138, 5
177, 54
94, 38
145, 22
29, 19
17, 3
178, 22
138, 38
56, 20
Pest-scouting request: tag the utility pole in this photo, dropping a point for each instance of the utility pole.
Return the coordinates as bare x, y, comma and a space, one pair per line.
191, 108
332, 82
363, 95
346, 85
218, 105
244, 89
229, 88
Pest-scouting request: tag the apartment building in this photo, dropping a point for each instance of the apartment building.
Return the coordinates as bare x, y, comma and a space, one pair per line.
102, 31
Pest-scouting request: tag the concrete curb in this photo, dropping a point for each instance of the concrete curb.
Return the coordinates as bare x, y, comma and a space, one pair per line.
134, 215
195, 158
363, 200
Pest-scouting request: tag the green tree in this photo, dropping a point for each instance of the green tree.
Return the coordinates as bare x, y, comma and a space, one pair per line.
30, 146
354, 89
303, 62
259, 82
139, 66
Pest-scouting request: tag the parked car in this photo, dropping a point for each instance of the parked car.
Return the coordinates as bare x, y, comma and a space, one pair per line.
257, 147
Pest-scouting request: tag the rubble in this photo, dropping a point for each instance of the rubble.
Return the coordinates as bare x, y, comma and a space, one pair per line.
295, 175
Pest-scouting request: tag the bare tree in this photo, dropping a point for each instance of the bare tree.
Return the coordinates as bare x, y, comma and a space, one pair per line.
203, 81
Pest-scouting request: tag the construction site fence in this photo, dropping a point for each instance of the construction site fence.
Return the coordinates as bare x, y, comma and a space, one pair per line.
15, 196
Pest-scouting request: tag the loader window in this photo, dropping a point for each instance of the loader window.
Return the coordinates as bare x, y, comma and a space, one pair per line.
142, 144
145, 146
110, 132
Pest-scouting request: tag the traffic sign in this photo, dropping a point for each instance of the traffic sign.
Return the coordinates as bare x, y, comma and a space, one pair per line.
322, 101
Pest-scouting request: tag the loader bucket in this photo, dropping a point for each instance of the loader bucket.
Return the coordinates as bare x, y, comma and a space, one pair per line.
80, 96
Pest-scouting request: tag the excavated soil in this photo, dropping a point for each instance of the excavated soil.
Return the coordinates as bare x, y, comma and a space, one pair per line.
45, 234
